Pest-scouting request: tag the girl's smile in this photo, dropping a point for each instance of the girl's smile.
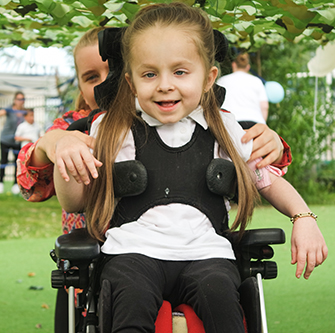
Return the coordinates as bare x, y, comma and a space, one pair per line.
167, 73
167, 106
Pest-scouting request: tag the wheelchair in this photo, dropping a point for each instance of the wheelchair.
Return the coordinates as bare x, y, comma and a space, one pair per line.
77, 256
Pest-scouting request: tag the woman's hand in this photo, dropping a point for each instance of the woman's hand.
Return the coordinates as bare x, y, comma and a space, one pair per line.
71, 150
308, 246
267, 144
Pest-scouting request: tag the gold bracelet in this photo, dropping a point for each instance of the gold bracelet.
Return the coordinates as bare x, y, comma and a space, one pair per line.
297, 216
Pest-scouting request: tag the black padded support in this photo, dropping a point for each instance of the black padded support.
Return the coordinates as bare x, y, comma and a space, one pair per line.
221, 178
130, 178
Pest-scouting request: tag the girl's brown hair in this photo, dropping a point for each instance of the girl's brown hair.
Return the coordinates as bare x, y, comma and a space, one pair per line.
119, 118
89, 38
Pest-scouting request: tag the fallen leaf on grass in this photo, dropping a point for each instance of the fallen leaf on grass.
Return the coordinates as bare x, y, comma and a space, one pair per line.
36, 288
45, 306
38, 326
31, 274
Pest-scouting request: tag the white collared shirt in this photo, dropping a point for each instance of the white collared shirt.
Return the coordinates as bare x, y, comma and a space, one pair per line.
174, 231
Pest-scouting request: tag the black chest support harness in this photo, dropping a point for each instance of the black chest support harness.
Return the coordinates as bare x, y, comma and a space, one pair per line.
162, 175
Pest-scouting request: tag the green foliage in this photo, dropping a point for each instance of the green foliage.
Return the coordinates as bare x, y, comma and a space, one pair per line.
293, 118
247, 23
326, 175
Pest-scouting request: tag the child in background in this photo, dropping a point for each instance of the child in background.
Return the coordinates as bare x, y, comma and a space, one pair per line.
28, 131
166, 247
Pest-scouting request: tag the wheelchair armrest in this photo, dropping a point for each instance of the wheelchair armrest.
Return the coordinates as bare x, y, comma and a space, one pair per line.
257, 237
77, 246
255, 244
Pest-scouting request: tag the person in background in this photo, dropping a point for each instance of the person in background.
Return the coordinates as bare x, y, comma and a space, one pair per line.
14, 117
28, 131
245, 93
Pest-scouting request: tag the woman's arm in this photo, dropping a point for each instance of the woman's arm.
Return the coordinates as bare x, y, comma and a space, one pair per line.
308, 246
71, 149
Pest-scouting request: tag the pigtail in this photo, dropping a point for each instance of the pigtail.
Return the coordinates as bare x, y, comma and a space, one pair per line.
100, 201
247, 192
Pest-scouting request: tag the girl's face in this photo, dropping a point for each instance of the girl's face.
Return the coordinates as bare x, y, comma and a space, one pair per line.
91, 71
167, 74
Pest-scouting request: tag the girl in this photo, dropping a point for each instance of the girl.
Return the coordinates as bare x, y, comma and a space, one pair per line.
162, 244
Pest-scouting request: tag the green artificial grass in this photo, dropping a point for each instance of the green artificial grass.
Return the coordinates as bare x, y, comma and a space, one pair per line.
26, 264
298, 305
28, 232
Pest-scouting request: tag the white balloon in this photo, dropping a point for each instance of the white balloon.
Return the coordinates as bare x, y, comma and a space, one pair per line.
324, 60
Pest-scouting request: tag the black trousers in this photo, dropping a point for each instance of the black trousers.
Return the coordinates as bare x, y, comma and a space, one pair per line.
4, 158
138, 285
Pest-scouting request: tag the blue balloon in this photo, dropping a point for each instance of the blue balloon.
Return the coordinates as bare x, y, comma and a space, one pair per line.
274, 91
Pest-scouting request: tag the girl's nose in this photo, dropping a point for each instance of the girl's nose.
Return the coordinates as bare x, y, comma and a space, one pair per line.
165, 84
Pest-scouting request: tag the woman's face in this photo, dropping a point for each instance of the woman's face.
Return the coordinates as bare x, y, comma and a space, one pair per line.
91, 71
19, 102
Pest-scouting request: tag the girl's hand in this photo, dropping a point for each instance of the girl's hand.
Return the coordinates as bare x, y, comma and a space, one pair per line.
267, 144
72, 154
308, 246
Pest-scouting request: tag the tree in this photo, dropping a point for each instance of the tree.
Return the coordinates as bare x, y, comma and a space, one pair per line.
293, 118
248, 24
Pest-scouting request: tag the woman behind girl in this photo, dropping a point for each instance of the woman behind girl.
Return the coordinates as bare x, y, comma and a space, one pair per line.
35, 174
168, 247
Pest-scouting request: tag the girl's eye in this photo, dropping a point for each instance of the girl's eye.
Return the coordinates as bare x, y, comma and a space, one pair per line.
149, 75
180, 72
